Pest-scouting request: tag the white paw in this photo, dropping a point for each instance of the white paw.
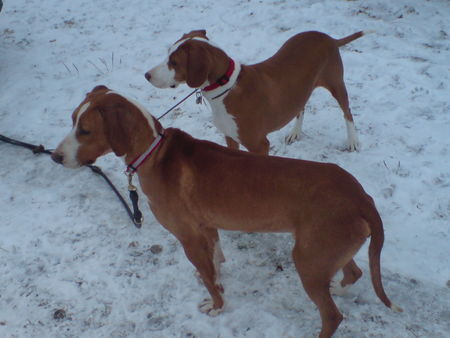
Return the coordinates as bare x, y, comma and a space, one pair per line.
352, 136
337, 289
207, 306
292, 137
354, 145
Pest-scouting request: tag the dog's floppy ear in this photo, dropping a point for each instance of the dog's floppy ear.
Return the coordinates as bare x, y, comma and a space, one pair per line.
97, 88
118, 127
198, 63
201, 32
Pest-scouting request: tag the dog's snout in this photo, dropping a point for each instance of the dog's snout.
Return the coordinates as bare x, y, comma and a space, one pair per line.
57, 157
148, 76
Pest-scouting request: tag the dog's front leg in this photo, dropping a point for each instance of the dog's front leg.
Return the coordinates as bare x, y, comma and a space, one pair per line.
213, 239
198, 249
296, 132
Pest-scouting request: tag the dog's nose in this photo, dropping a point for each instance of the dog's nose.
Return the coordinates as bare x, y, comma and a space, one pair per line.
58, 158
148, 76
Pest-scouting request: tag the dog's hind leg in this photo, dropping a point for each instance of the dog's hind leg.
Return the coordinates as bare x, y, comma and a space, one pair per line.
339, 92
198, 250
332, 78
295, 133
351, 274
315, 274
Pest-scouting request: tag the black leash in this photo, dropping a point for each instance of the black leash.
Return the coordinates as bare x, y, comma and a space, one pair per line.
198, 100
136, 214
135, 217
34, 148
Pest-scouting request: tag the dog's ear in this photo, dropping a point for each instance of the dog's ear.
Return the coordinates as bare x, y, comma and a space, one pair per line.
201, 32
198, 64
97, 88
118, 127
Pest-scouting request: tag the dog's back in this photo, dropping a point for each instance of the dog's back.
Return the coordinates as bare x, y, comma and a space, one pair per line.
282, 191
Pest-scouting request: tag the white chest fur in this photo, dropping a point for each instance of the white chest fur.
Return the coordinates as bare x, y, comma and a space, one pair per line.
221, 118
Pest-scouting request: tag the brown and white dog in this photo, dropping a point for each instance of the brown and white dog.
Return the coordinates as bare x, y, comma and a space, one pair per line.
249, 102
196, 187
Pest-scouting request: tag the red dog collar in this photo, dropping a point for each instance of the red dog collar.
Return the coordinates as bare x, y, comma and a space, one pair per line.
223, 80
136, 163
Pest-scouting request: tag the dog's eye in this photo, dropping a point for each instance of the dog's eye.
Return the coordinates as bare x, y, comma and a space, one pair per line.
172, 63
84, 131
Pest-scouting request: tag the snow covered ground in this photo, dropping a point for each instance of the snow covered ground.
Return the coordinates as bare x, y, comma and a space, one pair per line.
66, 243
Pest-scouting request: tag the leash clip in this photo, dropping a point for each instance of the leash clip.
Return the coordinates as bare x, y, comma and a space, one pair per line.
131, 187
137, 214
198, 97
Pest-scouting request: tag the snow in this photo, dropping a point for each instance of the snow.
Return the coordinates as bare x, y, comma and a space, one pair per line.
67, 244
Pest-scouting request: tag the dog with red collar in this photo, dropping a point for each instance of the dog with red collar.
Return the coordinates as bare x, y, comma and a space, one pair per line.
250, 101
196, 187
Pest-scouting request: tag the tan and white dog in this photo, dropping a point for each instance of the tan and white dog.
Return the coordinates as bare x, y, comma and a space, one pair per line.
196, 187
250, 101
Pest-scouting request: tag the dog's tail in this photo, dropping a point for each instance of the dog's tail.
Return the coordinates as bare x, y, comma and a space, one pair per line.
376, 243
350, 38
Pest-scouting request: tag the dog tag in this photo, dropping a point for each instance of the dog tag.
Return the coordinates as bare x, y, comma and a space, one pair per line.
199, 98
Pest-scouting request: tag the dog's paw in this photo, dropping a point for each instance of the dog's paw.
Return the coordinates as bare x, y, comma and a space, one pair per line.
207, 306
353, 145
337, 289
292, 137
